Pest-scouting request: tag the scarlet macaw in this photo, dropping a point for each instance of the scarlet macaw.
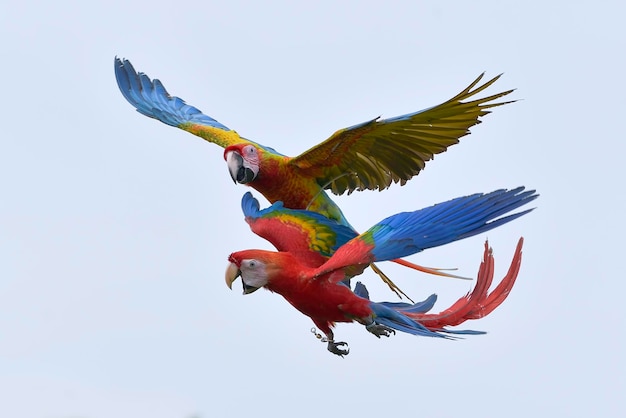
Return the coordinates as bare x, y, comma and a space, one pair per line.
316, 256
371, 155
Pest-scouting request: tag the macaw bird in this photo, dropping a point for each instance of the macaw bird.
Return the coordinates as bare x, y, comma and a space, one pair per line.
370, 155
315, 257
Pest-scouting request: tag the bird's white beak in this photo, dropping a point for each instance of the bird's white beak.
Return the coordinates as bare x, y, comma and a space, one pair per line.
232, 272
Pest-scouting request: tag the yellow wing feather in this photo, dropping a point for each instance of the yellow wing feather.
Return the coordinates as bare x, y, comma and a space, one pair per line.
215, 135
375, 154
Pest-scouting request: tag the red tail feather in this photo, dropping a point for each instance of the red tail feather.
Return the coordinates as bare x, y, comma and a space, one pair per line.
479, 302
500, 293
429, 270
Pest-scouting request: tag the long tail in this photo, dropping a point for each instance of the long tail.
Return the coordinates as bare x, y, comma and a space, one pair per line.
479, 302
414, 319
396, 315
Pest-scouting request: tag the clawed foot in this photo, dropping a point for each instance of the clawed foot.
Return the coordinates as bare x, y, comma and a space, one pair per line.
333, 347
379, 330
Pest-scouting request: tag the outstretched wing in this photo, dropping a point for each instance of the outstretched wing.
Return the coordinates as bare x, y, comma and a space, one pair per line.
408, 233
374, 154
307, 235
150, 98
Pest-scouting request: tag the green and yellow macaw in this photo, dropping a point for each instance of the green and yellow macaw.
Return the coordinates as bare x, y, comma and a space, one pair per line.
371, 155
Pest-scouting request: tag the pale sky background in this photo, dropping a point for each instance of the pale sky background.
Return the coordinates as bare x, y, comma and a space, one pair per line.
115, 228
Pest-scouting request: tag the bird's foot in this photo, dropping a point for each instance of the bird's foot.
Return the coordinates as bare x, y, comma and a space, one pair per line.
379, 330
333, 347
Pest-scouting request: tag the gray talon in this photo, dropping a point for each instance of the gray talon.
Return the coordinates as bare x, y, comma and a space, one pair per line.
333, 347
379, 330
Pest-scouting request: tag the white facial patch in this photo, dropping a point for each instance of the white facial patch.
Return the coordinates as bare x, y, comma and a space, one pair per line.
253, 273
250, 155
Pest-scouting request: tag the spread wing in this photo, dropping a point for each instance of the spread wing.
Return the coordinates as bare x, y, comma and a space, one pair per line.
150, 98
308, 235
374, 154
408, 233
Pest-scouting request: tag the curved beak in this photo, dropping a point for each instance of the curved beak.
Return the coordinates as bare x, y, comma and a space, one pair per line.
232, 272
237, 168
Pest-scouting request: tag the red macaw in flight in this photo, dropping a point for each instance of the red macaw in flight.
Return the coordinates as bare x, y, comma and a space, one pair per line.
370, 155
316, 256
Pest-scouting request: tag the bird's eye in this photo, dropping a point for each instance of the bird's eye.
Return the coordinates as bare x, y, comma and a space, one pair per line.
250, 150
252, 264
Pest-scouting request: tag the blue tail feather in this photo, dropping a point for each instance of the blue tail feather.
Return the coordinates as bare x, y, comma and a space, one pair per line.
460, 331
419, 307
391, 318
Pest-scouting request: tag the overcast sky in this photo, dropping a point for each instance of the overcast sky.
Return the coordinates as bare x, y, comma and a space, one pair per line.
115, 228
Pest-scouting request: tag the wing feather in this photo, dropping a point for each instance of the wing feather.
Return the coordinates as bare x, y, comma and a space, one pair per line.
407, 233
374, 154
151, 99
307, 235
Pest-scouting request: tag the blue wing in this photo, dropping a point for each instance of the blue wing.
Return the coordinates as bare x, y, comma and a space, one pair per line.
407, 233
150, 98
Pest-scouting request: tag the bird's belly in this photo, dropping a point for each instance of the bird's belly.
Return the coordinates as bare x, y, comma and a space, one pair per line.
337, 306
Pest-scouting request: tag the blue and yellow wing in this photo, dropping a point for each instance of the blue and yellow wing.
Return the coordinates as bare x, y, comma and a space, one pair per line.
151, 99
